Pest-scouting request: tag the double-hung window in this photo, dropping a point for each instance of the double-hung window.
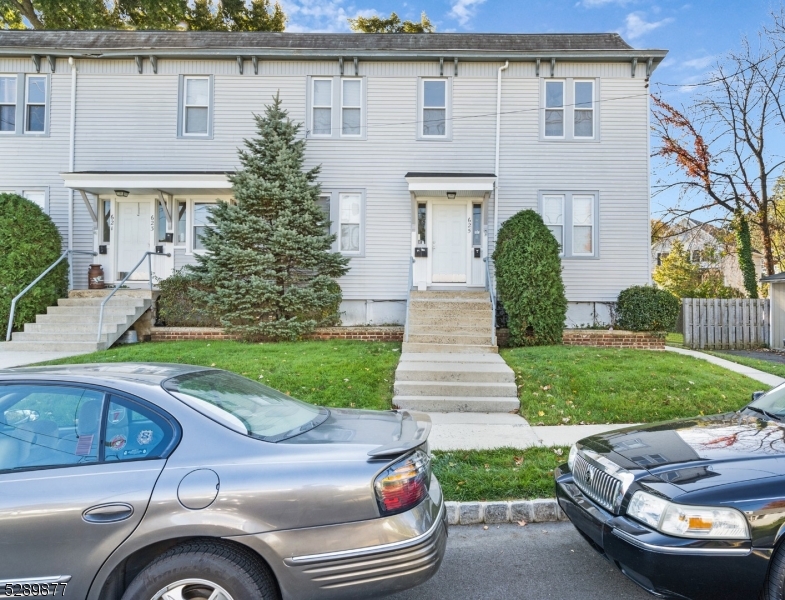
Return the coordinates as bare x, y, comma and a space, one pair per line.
351, 222
196, 106
554, 109
201, 221
434, 108
351, 107
324, 203
322, 120
35, 104
584, 109
572, 219
7, 103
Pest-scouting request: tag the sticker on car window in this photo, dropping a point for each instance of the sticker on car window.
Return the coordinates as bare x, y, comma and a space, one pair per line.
135, 452
116, 415
145, 437
84, 445
118, 442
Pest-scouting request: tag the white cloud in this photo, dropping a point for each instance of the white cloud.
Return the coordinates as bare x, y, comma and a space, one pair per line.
700, 63
464, 10
328, 16
636, 26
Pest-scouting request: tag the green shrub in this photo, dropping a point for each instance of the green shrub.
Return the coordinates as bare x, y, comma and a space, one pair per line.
647, 308
29, 243
528, 280
176, 305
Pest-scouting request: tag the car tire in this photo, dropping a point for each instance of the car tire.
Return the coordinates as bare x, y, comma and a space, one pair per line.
204, 565
775, 584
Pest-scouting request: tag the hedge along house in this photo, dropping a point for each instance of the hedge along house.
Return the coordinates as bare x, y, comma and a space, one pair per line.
427, 143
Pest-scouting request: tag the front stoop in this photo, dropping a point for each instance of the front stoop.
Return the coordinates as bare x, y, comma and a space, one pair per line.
449, 363
72, 325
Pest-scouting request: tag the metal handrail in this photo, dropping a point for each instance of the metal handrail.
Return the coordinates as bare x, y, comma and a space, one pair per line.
408, 299
487, 261
65, 254
146, 255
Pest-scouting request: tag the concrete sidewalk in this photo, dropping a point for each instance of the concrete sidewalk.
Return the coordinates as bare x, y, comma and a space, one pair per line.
12, 358
486, 431
757, 375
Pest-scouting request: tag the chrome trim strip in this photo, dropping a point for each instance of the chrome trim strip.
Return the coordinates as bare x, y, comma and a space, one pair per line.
391, 547
680, 550
38, 580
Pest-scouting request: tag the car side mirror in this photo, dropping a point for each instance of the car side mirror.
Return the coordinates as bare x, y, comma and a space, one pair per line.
756, 395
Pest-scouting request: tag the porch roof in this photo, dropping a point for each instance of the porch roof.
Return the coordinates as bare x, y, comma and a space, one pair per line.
149, 182
461, 184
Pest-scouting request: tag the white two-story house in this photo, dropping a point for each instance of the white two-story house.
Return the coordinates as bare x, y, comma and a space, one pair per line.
427, 144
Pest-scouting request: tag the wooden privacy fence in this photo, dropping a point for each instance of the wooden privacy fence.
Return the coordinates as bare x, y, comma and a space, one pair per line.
733, 324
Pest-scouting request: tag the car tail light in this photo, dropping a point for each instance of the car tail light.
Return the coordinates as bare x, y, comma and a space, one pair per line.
403, 484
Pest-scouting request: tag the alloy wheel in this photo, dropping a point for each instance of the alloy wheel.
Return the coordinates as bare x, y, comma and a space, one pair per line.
193, 589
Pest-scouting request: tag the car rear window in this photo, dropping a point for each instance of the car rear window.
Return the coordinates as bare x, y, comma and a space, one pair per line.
245, 405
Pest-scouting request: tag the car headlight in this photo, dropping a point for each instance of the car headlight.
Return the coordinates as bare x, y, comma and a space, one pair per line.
571, 457
681, 520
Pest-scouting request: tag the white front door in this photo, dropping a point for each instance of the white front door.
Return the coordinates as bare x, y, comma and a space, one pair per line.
449, 244
134, 232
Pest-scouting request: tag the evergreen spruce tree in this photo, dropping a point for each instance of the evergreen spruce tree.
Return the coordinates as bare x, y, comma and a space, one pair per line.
270, 272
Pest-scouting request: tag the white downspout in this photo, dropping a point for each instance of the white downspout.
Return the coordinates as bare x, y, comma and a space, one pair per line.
71, 163
498, 135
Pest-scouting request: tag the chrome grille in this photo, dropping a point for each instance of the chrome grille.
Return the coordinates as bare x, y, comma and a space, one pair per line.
596, 483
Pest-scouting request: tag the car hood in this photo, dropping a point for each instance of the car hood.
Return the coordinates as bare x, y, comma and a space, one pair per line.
384, 433
699, 453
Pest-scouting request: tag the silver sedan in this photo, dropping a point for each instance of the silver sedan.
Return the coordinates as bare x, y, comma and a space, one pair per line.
173, 482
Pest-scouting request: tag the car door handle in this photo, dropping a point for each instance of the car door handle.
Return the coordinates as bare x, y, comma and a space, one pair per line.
108, 513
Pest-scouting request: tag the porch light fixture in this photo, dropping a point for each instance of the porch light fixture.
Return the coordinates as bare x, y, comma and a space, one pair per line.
451, 195
121, 193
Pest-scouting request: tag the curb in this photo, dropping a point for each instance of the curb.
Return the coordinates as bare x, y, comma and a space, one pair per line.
544, 510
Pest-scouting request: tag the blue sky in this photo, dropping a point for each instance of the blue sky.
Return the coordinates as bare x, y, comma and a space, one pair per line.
695, 32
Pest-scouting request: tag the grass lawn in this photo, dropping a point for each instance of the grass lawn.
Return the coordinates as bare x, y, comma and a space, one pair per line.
755, 363
674, 339
337, 373
503, 474
573, 384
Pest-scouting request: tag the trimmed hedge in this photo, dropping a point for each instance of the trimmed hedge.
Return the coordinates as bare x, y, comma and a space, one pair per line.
647, 308
528, 280
176, 305
29, 243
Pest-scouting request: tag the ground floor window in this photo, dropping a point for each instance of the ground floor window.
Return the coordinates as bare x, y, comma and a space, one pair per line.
573, 220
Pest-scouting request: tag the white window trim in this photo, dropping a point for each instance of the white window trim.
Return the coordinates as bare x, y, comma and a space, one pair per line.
563, 109
575, 109
360, 107
569, 111
186, 106
27, 130
15, 77
314, 106
335, 218
567, 218
422, 107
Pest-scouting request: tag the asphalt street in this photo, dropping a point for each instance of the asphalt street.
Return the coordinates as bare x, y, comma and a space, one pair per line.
531, 562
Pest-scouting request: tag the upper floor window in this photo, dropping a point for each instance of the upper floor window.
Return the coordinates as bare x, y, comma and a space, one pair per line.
351, 107
569, 109
572, 219
196, 106
434, 108
322, 122
8, 104
35, 104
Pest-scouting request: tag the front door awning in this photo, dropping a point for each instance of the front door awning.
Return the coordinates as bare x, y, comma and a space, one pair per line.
460, 184
151, 182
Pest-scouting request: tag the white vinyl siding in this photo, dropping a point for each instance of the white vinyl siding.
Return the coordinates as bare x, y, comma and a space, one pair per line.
554, 109
322, 124
8, 100
351, 107
35, 104
196, 106
572, 219
434, 104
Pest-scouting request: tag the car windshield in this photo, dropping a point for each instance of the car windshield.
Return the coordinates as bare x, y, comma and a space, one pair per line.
772, 402
244, 405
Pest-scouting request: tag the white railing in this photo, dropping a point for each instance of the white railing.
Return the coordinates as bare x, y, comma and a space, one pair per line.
489, 283
408, 299
147, 256
66, 254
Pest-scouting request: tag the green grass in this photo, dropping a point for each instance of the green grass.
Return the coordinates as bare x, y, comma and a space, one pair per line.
503, 474
755, 363
674, 339
571, 384
339, 373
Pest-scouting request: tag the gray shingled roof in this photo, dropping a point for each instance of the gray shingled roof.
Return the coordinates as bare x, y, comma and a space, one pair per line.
447, 44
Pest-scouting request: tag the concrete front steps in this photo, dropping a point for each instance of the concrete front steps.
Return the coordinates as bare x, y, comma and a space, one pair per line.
450, 382
72, 325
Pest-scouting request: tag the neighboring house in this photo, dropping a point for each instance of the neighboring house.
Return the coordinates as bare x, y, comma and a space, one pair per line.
125, 139
707, 249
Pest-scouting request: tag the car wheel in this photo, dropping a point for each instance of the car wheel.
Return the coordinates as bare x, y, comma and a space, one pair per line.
775, 585
204, 570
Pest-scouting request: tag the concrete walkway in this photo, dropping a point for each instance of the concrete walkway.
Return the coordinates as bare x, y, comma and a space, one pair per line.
11, 358
766, 378
486, 431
